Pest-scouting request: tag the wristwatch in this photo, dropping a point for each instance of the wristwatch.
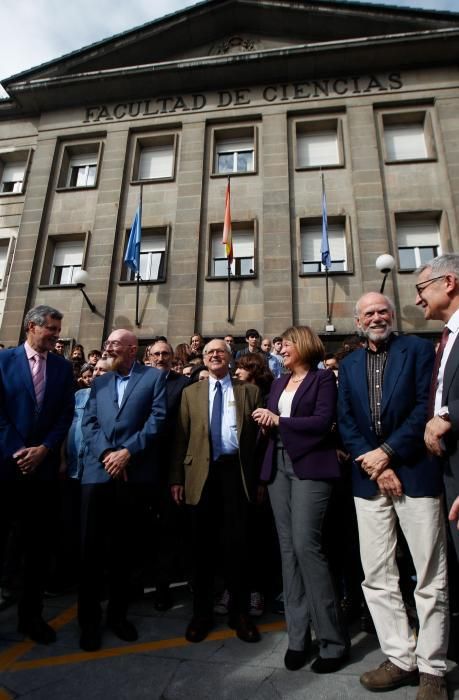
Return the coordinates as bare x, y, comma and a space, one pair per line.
443, 413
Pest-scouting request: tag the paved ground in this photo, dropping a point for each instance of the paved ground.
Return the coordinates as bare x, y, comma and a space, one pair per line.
163, 666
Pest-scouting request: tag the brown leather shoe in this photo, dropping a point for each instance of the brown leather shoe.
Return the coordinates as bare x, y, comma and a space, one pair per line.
245, 628
432, 687
388, 676
198, 629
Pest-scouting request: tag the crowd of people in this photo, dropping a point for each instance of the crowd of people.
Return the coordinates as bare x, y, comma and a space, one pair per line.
278, 471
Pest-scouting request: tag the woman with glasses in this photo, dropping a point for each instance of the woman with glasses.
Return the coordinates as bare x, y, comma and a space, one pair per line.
300, 465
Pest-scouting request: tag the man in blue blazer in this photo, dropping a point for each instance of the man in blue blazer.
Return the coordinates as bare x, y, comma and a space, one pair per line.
36, 410
123, 418
382, 409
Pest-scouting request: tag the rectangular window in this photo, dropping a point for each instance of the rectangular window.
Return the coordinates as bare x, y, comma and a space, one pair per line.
311, 241
243, 264
234, 151
319, 144
418, 242
154, 157
13, 170
67, 261
79, 166
4, 246
152, 256
408, 136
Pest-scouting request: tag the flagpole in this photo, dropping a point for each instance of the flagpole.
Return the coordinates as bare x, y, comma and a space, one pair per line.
326, 266
229, 257
137, 291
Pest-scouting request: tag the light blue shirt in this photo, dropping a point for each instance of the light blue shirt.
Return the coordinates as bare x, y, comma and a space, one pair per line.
230, 443
121, 384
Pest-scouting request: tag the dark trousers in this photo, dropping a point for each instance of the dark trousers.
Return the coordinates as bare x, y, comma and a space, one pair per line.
32, 505
220, 525
110, 513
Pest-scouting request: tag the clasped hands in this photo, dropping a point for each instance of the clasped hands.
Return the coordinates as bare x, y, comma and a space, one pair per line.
376, 464
115, 463
28, 458
265, 418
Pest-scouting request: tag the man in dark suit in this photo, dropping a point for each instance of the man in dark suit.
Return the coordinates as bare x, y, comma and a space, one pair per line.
36, 410
123, 419
382, 408
438, 296
169, 518
213, 469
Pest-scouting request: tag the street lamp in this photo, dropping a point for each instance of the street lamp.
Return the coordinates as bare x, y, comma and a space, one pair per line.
385, 264
80, 279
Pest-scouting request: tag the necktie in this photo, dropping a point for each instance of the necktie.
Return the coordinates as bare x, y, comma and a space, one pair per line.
216, 422
436, 367
38, 378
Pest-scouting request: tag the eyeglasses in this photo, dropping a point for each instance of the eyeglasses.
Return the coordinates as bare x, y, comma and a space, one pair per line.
422, 285
115, 344
216, 352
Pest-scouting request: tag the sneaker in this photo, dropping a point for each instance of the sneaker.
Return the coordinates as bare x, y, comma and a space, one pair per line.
222, 605
388, 676
432, 687
257, 604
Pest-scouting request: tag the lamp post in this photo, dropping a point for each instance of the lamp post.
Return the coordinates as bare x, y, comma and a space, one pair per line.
80, 279
385, 264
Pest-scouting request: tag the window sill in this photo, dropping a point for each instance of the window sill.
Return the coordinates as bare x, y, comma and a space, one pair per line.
142, 283
233, 278
235, 174
58, 286
330, 166
76, 189
151, 180
331, 273
407, 161
12, 194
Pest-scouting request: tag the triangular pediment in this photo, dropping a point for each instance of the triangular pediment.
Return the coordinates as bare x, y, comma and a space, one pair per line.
217, 27
219, 38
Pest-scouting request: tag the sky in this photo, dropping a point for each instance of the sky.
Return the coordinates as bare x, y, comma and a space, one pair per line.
35, 31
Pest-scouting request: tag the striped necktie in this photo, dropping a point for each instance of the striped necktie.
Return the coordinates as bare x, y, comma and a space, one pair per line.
38, 377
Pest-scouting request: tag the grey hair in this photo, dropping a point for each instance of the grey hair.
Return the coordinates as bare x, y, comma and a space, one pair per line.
38, 316
227, 347
443, 264
389, 303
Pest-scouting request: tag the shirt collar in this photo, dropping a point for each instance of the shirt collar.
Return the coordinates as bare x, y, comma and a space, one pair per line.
383, 347
125, 376
453, 323
225, 381
30, 352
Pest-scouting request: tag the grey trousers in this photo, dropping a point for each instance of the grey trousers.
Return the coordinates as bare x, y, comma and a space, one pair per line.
299, 507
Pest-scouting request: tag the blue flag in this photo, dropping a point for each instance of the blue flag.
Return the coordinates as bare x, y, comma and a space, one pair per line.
132, 256
324, 247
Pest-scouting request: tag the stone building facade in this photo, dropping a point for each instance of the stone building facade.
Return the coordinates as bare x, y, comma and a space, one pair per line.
280, 96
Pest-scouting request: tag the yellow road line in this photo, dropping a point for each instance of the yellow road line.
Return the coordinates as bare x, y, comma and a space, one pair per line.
8, 657
141, 648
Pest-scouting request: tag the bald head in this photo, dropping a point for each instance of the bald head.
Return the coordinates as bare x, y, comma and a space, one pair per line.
121, 346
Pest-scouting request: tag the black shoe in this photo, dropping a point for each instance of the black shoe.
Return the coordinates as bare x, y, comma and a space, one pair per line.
321, 665
198, 629
163, 598
38, 630
123, 629
294, 660
90, 638
244, 627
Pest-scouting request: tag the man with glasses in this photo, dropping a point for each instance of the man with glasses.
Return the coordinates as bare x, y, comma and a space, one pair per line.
438, 296
170, 526
122, 422
382, 407
213, 470
36, 411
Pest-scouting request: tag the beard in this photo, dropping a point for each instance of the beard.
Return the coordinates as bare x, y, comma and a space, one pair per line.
371, 334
